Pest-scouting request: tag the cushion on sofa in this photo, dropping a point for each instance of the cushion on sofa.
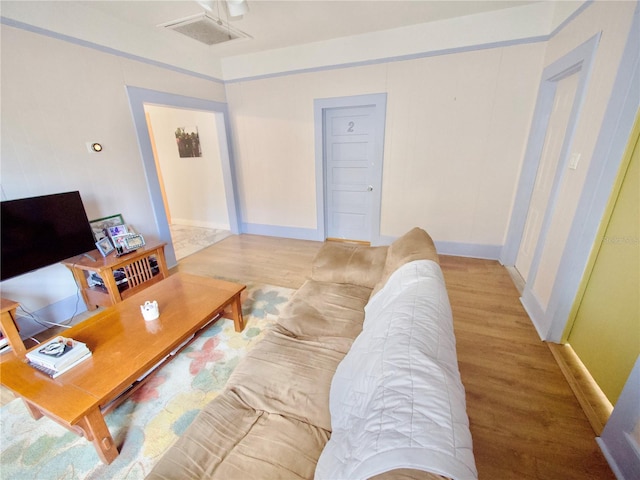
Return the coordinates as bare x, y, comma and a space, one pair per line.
232, 441
329, 313
407, 474
278, 377
348, 263
416, 244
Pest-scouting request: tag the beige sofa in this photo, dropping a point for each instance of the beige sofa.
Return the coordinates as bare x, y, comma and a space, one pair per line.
273, 419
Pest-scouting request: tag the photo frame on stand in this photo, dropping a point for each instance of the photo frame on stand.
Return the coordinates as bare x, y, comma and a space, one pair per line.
117, 230
127, 243
105, 247
100, 226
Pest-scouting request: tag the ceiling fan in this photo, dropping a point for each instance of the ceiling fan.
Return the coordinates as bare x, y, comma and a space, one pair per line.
235, 8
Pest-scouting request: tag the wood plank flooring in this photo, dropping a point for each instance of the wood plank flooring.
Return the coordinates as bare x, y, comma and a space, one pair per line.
253, 258
525, 421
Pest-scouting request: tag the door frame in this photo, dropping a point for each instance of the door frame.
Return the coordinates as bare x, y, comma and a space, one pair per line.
577, 62
580, 61
137, 98
608, 154
320, 105
605, 160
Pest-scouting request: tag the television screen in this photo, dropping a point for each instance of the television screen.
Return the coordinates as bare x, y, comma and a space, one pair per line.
41, 231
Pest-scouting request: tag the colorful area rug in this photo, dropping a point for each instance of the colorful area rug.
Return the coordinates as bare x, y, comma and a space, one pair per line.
146, 424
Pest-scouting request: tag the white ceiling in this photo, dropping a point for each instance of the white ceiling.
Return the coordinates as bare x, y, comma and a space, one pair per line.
286, 35
277, 24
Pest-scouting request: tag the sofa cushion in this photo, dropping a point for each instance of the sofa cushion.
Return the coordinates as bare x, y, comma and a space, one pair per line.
416, 244
407, 474
289, 377
347, 263
328, 313
230, 440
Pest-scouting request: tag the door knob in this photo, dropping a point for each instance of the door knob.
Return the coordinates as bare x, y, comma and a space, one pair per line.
370, 188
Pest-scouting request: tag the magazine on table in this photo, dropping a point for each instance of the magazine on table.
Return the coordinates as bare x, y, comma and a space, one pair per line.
58, 353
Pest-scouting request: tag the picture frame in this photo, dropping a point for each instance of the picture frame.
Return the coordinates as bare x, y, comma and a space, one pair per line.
127, 243
117, 230
188, 142
99, 226
105, 247
118, 241
133, 242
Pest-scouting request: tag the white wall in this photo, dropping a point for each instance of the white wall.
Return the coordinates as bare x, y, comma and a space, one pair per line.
194, 186
56, 96
456, 130
94, 22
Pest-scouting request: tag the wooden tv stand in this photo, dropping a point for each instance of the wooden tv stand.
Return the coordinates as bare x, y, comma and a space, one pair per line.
136, 267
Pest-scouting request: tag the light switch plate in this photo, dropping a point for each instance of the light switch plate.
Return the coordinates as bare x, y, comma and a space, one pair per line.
573, 161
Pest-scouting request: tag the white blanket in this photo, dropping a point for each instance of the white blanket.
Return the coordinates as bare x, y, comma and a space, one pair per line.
396, 399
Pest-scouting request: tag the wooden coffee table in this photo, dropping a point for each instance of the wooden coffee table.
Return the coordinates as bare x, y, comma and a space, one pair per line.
124, 348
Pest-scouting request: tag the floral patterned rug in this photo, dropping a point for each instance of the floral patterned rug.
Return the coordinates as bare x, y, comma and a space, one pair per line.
146, 424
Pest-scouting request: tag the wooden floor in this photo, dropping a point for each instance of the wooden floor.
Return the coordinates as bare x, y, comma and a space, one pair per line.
253, 258
525, 420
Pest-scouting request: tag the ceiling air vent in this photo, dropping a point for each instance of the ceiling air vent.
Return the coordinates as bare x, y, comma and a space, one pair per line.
205, 29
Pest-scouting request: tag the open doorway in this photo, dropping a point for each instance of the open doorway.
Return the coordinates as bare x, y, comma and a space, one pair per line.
138, 98
187, 155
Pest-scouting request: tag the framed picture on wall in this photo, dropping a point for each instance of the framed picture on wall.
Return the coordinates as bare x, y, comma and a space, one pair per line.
188, 141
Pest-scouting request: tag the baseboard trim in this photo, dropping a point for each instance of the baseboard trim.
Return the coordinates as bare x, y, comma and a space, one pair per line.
471, 250
516, 278
353, 242
201, 224
456, 249
283, 232
594, 403
535, 311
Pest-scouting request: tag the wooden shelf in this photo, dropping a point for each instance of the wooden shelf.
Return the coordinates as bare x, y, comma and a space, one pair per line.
136, 267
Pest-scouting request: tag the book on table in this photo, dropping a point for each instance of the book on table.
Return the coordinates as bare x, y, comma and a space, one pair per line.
58, 355
53, 373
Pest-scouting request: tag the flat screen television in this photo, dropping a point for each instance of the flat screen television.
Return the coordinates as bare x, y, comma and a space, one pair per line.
40, 231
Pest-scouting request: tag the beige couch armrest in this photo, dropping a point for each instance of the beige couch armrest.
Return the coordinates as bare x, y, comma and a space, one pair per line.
346, 263
416, 244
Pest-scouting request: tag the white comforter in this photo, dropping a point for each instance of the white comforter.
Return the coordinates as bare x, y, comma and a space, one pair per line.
396, 399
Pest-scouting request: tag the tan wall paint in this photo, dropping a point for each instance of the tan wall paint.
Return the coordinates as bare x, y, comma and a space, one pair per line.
456, 130
56, 96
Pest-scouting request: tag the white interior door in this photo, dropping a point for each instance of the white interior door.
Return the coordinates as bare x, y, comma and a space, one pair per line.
547, 170
350, 175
